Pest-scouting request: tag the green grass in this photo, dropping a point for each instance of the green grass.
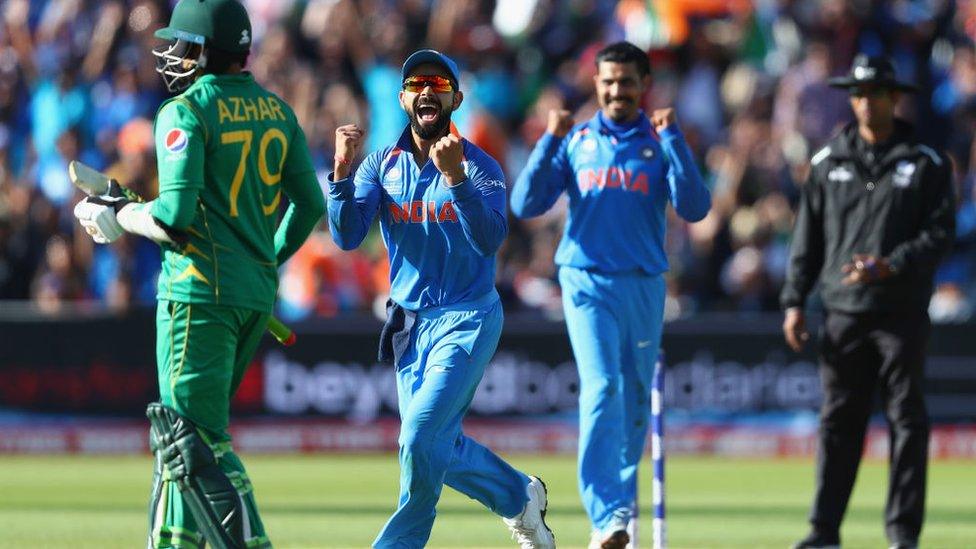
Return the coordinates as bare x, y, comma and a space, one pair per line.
342, 501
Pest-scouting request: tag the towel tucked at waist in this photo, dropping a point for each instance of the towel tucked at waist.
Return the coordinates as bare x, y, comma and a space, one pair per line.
395, 335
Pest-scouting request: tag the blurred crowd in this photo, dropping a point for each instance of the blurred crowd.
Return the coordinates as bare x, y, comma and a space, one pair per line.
748, 80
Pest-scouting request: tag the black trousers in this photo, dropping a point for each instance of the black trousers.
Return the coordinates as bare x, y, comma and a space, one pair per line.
858, 353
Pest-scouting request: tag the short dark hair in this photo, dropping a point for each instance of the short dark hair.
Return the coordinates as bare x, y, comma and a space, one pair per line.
625, 52
220, 61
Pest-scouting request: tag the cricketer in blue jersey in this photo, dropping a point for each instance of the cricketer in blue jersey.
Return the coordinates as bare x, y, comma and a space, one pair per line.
620, 171
441, 204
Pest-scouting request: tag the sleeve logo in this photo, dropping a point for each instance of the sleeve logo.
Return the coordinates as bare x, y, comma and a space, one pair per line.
176, 140
392, 182
488, 184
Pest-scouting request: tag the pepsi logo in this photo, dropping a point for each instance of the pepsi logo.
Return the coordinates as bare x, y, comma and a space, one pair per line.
176, 140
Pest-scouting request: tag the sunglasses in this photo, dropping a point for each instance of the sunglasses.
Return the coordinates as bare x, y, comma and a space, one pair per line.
439, 84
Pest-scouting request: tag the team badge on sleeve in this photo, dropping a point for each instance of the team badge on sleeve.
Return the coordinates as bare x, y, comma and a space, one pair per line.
392, 181
176, 141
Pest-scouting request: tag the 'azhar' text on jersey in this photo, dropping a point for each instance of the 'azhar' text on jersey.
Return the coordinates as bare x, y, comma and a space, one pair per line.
228, 150
249, 109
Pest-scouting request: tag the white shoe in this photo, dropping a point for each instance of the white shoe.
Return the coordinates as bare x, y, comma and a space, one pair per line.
529, 527
615, 535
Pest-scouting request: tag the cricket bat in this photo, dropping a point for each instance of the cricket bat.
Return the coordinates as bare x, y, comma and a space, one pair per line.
95, 183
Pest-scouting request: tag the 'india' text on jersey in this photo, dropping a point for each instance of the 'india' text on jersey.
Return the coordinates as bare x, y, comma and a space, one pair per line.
441, 241
619, 186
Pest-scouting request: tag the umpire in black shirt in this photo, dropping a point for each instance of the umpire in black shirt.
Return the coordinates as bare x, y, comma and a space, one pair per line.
876, 215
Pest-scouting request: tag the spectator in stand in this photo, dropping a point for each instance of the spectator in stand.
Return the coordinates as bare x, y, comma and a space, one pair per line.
755, 106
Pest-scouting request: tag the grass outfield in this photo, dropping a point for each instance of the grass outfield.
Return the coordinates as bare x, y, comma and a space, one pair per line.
342, 501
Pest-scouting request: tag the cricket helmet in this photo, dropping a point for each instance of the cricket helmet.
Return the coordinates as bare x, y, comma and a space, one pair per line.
195, 27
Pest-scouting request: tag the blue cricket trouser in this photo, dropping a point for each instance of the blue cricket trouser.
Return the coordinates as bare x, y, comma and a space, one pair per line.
436, 380
614, 324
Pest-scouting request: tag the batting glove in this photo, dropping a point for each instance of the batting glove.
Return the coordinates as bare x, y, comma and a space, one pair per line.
97, 215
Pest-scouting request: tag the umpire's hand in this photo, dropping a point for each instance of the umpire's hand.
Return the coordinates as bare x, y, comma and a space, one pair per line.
795, 329
866, 269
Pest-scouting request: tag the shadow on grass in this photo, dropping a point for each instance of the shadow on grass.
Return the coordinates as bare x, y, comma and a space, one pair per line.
941, 515
442, 511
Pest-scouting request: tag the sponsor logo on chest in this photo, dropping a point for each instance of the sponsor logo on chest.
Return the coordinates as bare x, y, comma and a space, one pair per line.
904, 171
840, 174
393, 180
587, 150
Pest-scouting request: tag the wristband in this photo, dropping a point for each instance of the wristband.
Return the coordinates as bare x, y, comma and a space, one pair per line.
342, 161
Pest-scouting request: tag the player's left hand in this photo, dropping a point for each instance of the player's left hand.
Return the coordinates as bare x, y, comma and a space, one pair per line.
662, 118
97, 215
447, 155
114, 199
864, 269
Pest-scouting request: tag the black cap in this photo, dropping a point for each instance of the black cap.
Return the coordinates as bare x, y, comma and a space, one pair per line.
870, 70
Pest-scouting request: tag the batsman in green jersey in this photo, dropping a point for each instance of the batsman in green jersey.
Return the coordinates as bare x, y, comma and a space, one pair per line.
226, 151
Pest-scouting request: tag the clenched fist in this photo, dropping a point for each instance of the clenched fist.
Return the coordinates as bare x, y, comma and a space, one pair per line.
662, 118
446, 154
348, 143
560, 122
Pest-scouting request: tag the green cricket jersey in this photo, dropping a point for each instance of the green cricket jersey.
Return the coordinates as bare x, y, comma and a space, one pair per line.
236, 147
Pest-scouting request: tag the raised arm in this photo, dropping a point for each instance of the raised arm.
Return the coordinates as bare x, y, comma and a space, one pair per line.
547, 173
352, 205
478, 195
689, 195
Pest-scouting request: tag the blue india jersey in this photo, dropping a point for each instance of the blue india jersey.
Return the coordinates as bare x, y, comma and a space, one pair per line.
441, 241
619, 186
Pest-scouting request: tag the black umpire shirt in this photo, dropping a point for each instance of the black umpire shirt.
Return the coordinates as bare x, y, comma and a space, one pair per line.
893, 200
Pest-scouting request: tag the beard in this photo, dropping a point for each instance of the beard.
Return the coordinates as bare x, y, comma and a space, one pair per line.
430, 131
619, 112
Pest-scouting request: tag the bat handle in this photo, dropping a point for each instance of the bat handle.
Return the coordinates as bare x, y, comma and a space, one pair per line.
282, 333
